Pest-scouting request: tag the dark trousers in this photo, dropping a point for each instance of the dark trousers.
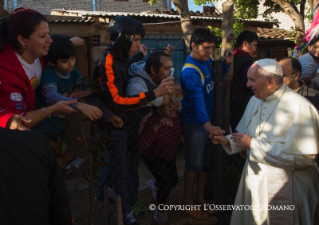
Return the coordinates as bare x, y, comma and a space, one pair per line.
122, 173
165, 174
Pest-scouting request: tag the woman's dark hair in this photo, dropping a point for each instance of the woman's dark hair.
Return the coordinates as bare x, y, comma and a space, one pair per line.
154, 60
21, 22
201, 35
61, 48
246, 35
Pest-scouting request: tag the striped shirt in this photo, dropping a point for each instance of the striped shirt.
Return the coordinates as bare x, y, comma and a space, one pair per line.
163, 143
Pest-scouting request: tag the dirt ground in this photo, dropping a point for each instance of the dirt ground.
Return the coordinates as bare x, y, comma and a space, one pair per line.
81, 203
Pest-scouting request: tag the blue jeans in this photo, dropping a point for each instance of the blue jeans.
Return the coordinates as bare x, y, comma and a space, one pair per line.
198, 148
122, 173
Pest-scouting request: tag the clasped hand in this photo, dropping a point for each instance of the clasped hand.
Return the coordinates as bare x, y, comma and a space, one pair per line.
242, 140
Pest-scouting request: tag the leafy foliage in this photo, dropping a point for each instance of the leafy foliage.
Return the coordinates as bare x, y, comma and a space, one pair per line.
293, 34
151, 2
203, 2
238, 27
308, 14
247, 9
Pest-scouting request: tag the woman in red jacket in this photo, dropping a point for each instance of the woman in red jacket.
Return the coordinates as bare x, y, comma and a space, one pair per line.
24, 40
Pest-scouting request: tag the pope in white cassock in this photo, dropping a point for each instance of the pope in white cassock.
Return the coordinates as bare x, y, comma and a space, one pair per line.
279, 133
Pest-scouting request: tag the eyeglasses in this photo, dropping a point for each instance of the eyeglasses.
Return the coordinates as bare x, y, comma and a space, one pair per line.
286, 75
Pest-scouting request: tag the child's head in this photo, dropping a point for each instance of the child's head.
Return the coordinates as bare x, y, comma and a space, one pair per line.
61, 54
168, 111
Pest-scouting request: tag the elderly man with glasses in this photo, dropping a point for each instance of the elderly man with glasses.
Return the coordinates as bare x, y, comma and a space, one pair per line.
292, 69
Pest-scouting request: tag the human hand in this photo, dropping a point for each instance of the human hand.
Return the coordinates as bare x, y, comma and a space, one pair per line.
92, 112
62, 107
242, 140
143, 49
14, 122
165, 122
165, 87
229, 56
116, 121
213, 130
169, 50
77, 41
222, 140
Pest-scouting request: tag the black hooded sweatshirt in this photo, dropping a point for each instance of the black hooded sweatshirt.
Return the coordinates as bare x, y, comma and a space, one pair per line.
112, 68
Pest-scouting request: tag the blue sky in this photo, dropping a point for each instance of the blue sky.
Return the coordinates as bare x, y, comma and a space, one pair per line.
193, 6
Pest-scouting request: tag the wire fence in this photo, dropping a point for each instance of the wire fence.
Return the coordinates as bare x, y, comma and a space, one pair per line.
145, 154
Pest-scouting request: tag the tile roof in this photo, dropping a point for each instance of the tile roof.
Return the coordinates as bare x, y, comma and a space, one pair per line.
273, 33
167, 14
64, 20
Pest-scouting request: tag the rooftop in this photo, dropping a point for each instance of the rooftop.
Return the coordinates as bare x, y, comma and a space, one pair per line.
273, 33
165, 14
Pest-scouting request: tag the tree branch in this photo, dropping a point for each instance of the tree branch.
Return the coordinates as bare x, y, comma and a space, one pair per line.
310, 2
296, 17
186, 24
302, 8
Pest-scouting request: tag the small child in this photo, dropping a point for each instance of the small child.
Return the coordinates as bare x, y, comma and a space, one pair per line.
158, 144
57, 82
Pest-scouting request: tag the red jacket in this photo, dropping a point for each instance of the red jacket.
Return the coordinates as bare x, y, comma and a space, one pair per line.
16, 93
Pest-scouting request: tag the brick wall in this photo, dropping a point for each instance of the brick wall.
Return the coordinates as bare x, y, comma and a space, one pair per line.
45, 6
130, 5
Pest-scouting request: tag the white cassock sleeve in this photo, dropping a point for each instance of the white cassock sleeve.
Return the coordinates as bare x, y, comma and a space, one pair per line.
271, 154
298, 150
232, 148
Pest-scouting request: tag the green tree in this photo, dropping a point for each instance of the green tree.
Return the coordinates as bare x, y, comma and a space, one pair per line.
248, 9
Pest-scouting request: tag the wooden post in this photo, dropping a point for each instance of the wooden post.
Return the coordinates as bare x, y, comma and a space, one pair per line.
227, 39
107, 206
221, 106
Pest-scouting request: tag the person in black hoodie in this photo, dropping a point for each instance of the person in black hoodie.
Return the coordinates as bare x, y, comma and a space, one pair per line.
32, 189
112, 74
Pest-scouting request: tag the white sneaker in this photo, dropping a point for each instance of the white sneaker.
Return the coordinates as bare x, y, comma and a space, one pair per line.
151, 184
160, 216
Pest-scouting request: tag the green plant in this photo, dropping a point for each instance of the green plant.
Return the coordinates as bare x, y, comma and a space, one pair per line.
151, 2
237, 25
